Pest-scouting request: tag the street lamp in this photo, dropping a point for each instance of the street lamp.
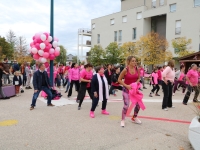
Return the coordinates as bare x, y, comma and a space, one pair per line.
52, 34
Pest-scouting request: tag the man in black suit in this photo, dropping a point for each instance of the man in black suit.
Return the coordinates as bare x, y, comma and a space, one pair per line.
41, 82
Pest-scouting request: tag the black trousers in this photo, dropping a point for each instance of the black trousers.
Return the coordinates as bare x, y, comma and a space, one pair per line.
82, 91
95, 102
155, 87
114, 87
167, 99
24, 79
76, 82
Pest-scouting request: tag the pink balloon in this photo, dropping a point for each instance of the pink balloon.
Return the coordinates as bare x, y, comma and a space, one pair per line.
35, 41
46, 55
46, 50
36, 56
57, 53
46, 64
55, 39
33, 37
51, 56
37, 35
39, 41
46, 42
31, 44
37, 46
51, 51
50, 45
47, 35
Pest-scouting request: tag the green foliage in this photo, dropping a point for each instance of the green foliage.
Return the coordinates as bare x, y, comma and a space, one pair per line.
113, 54
181, 46
74, 60
5, 50
96, 55
62, 58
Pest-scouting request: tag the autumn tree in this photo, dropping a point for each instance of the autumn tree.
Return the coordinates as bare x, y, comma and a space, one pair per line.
152, 49
181, 46
74, 60
96, 55
12, 39
129, 49
5, 50
62, 58
113, 54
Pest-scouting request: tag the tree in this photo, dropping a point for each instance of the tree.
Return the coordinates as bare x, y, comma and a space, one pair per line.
62, 58
96, 55
129, 49
11, 38
74, 60
20, 49
113, 54
181, 46
152, 49
5, 50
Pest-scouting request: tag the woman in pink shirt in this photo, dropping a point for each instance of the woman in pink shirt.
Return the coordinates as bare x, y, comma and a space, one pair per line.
168, 79
192, 79
179, 79
154, 81
141, 69
74, 78
85, 78
160, 75
130, 74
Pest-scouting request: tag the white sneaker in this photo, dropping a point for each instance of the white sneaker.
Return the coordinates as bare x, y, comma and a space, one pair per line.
173, 107
173, 94
122, 123
136, 120
165, 109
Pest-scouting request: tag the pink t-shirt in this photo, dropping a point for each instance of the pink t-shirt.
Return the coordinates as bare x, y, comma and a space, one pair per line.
193, 77
181, 76
169, 74
155, 78
86, 75
141, 72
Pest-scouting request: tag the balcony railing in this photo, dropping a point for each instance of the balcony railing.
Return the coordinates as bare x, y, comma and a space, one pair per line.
86, 31
154, 4
178, 30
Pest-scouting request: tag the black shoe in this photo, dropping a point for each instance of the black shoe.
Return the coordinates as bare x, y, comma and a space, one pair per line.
196, 101
140, 89
29, 87
65, 91
144, 88
77, 101
184, 103
79, 108
6, 97
32, 107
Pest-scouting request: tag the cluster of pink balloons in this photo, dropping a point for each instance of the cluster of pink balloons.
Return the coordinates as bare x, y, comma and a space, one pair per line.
42, 49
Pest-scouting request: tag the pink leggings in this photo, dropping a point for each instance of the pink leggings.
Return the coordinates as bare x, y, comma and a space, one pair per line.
126, 104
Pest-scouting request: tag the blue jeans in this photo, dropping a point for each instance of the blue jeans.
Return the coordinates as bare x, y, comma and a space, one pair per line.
47, 91
68, 84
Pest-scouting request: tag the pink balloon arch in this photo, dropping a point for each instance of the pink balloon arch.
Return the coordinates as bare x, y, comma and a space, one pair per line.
42, 49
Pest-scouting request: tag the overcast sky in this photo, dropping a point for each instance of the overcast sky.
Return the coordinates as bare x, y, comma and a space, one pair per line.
27, 17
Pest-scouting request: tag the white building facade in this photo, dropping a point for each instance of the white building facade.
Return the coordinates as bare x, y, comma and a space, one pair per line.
170, 18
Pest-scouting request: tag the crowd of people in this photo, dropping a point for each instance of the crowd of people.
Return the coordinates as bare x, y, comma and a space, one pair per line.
102, 81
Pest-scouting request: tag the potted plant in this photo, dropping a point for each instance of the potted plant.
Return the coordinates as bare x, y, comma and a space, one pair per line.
194, 128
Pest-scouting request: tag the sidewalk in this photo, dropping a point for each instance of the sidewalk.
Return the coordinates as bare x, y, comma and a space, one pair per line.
65, 127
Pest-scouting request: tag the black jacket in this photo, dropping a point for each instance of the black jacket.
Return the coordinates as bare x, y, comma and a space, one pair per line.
37, 80
108, 77
114, 78
16, 79
1, 74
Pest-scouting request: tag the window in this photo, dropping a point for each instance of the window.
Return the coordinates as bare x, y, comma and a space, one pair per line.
172, 7
120, 35
139, 15
178, 27
98, 38
162, 2
93, 26
134, 33
115, 36
196, 3
124, 19
153, 3
112, 21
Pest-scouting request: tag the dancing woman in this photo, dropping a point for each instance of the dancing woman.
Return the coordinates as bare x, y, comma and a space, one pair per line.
99, 90
85, 78
130, 75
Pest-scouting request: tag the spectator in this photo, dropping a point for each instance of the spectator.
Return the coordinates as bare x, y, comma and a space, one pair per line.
6, 68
